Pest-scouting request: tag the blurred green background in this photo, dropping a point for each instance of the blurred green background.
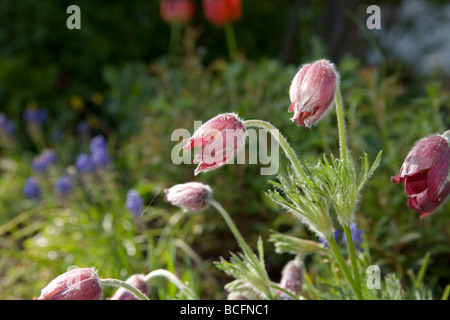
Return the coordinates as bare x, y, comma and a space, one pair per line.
116, 77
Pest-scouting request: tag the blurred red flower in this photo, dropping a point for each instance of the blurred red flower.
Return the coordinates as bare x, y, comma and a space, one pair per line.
177, 11
220, 12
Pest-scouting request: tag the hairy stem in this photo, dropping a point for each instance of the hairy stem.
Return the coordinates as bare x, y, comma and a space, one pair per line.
123, 284
281, 140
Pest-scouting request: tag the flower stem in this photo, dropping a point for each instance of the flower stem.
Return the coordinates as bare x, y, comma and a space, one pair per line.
174, 42
172, 278
343, 266
281, 140
231, 41
341, 126
123, 284
230, 223
354, 261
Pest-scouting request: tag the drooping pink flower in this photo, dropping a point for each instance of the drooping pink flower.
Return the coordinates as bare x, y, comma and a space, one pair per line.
190, 196
220, 12
312, 92
177, 11
137, 281
77, 284
220, 138
426, 174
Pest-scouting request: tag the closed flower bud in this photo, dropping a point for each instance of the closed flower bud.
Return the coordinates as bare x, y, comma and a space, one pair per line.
426, 174
312, 92
220, 138
291, 278
189, 196
137, 281
220, 12
77, 284
177, 11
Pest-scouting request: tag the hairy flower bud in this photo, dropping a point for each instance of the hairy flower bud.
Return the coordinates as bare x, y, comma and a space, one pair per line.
220, 138
77, 284
426, 173
189, 196
312, 92
291, 278
137, 281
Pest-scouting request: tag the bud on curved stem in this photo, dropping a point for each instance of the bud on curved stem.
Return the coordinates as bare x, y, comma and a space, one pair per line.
123, 284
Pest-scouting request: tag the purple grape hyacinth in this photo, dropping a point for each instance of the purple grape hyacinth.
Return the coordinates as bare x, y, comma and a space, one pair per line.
134, 202
356, 236
42, 162
32, 190
85, 163
99, 151
63, 185
35, 116
6, 126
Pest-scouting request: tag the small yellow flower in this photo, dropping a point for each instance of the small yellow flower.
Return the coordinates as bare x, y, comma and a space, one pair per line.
98, 99
76, 102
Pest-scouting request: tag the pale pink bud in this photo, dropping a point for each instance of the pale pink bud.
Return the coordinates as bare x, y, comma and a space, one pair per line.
77, 284
190, 196
312, 92
291, 278
137, 281
220, 138
425, 173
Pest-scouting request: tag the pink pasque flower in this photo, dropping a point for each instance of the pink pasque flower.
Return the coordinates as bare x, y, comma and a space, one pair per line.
312, 92
220, 138
137, 281
177, 11
190, 196
426, 174
77, 284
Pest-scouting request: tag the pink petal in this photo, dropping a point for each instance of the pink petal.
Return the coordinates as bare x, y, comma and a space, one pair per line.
416, 183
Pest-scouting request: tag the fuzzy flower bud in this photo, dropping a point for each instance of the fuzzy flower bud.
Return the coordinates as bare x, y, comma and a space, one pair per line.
426, 173
189, 196
220, 138
137, 281
77, 284
221, 12
312, 92
291, 278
